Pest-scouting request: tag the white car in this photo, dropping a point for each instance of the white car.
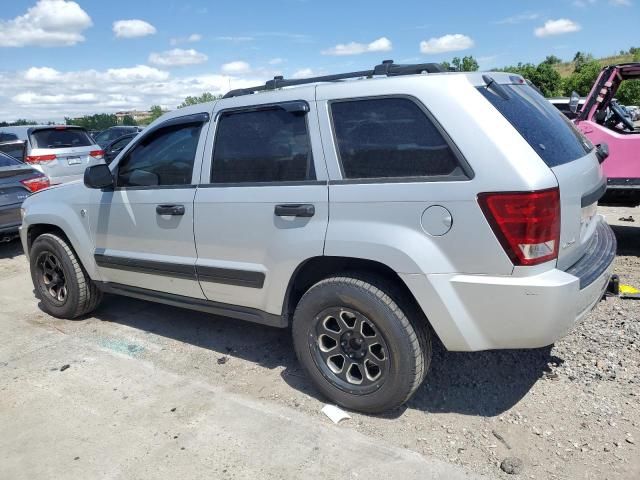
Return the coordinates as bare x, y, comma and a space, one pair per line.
61, 152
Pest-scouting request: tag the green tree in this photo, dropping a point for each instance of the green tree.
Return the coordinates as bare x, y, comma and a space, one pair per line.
466, 64
446, 66
552, 60
99, 121
543, 76
204, 98
629, 92
581, 59
581, 81
18, 123
156, 112
129, 121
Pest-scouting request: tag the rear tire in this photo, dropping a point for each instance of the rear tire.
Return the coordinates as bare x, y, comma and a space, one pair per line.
60, 282
364, 346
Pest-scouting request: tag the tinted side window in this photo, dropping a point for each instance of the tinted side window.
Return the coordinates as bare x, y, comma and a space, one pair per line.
164, 157
390, 137
262, 146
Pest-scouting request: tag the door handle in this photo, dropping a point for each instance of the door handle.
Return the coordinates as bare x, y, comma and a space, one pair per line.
175, 210
305, 210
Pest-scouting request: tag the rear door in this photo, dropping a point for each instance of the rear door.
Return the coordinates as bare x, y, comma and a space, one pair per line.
144, 228
567, 153
261, 208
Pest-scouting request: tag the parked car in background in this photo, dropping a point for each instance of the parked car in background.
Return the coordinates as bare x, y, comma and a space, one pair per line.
564, 105
107, 136
112, 150
17, 182
604, 122
61, 152
223, 207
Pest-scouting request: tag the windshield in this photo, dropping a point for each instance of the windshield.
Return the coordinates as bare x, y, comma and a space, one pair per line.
60, 138
542, 125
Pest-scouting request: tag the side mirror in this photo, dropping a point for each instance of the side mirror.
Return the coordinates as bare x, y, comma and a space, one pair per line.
98, 176
15, 148
574, 102
602, 151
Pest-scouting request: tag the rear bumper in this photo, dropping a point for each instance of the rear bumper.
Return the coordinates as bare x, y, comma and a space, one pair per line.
623, 184
10, 219
477, 312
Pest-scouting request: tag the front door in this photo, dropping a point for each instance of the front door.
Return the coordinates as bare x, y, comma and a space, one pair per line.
144, 228
262, 206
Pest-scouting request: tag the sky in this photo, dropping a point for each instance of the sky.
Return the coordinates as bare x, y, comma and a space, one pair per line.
63, 58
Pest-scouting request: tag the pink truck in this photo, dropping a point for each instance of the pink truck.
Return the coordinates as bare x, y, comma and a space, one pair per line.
604, 121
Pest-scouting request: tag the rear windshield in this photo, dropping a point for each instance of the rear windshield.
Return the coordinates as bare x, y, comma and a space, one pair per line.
60, 138
7, 161
541, 124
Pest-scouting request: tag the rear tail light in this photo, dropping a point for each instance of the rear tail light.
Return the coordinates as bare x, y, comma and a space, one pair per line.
97, 154
527, 224
37, 159
34, 184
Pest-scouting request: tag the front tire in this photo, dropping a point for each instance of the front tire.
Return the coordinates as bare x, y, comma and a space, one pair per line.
61, 283
364, 346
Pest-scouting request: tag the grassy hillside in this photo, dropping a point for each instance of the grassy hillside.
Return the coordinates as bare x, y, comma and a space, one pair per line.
566, 69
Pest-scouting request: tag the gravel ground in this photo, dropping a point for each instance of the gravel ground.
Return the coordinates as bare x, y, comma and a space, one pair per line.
569, 411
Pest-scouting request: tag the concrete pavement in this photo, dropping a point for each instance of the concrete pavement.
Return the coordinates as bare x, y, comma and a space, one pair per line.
111, 414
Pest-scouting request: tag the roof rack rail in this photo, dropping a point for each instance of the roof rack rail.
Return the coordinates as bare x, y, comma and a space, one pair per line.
386, 68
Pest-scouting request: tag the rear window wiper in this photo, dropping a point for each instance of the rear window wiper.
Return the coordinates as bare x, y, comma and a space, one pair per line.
495, 87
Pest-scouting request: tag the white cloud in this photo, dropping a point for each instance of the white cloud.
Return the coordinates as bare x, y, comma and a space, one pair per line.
136, 74
235, 68
42, 74
276, 61
447, 43
583, 3
177, 58
32, 98
49, 23
519, 18
235, 39
193, 38
557, 27
382, 44
133, 28
43, 93
621, 3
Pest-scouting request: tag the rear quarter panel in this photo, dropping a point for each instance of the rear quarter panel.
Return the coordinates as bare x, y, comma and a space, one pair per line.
382, 221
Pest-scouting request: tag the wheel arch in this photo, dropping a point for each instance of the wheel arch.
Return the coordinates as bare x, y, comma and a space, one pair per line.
85, 258
315, 269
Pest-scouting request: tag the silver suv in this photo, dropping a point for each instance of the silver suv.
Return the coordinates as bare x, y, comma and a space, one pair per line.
369, 214
61, 152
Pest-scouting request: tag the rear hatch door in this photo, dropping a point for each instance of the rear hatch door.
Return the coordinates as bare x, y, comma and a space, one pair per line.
64, 151
569, 155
